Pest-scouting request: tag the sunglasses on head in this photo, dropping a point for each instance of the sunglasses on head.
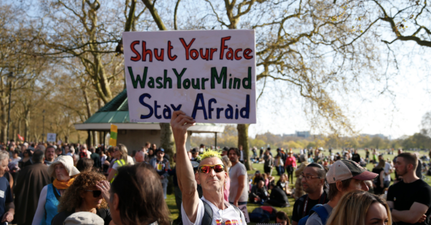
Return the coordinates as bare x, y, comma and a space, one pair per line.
96, 193
206, 168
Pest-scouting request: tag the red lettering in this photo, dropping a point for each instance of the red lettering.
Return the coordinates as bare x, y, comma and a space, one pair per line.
170, 47
247, 52
223, 46
204, 56
212, 50
236, 54
194, 54
146, 51
161, 56
229, 54
132, 47
187, 47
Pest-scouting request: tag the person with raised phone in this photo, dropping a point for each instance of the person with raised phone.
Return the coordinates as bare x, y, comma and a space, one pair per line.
211, 208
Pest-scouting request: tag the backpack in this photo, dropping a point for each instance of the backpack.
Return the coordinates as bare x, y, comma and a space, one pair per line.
321, 212
208, 213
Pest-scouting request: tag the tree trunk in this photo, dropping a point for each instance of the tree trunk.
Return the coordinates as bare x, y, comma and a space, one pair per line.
243, 140
27, 125
4, 120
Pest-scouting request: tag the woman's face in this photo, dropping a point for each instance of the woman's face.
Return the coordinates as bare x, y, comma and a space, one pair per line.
150, 152
61, 173
92, 197
376, 215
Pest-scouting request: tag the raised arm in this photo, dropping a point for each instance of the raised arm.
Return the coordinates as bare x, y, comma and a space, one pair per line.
180, 122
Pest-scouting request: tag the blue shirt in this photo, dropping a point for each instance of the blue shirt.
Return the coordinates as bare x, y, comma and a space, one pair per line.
5, 196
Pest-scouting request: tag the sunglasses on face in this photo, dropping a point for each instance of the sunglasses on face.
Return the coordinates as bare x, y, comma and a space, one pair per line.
96, 193
206, 168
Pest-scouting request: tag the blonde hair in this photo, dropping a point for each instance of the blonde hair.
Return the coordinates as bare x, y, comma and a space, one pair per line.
227, 164
124, 153
353, 208
210, 154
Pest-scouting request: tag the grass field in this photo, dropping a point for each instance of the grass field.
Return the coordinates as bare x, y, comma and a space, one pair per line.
174, 211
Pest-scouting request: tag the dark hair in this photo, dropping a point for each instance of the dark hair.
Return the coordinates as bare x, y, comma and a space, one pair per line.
282, 216
237, 152
333, 190
321, 172
409, 158
141, 201
71, 199
84, 164
37, 156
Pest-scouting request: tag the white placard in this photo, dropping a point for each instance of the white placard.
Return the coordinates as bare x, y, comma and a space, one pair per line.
210, 75
50, 137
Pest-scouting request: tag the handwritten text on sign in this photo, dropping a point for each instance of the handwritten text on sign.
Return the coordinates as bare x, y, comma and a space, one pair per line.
210, 75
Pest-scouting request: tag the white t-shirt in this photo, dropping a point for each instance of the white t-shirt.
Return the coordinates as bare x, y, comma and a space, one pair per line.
388, 167
228, 216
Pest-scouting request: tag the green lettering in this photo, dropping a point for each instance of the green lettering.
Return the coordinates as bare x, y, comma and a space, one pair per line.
179, 77
167, 79
159, 82
203, 82
220, 79
138, 78
151, 83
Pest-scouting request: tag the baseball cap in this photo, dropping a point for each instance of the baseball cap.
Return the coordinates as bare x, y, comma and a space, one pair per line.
346, 169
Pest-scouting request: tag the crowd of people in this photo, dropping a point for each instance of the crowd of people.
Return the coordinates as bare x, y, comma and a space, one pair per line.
43, 183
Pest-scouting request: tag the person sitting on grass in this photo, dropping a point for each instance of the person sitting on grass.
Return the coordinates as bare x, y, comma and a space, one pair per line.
258, 193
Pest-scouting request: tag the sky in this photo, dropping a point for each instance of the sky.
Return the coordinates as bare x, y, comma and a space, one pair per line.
392, 114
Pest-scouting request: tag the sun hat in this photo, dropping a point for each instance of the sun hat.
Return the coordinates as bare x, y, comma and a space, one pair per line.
346, 169
84, 218
67, 162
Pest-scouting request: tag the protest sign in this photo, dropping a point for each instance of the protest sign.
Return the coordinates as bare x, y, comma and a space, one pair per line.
50, 137
210, 75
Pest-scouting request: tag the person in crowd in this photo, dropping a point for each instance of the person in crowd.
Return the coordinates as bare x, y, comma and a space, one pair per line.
195, 154
7, 208
26, 159
283, 184
119, 154
139, 157
277, 196
96, 159
290, 165
83, 195
344, 176
241, 157
257, 177
49, 155
279, 164
210, 176
367, 155
63, 171
360, 208
85, 165
258, 193
84, 153
394, 161
66, 150
410, 198
313, 183
281, 218
298, 172
267, 179
238, 191
140, 202
161, 165
227, 165
387, 171
269, 161
151, 155
29, 184
378, 181
13, 163
374, 155
356, 157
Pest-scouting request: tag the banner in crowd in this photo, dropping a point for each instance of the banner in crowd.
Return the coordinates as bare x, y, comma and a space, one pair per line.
113, 135
210, 75
50, 137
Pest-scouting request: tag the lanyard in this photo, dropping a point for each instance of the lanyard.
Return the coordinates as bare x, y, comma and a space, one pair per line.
321, 201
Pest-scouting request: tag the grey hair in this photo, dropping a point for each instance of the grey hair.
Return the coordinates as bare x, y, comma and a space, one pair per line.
4, 155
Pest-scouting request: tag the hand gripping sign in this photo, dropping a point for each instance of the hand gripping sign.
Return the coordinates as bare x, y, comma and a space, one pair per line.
210, 75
